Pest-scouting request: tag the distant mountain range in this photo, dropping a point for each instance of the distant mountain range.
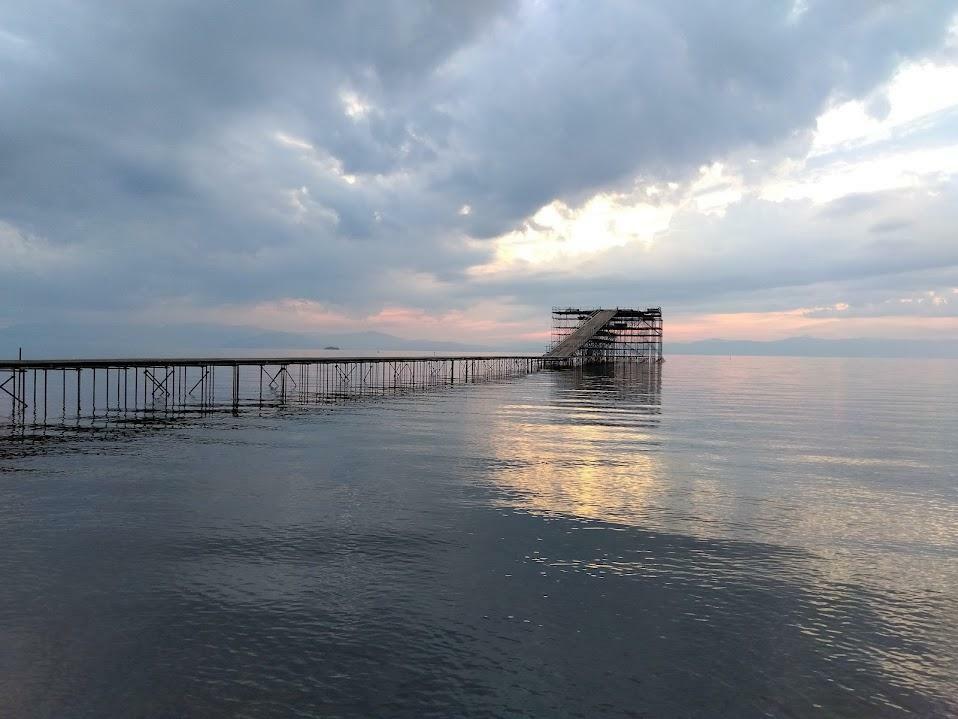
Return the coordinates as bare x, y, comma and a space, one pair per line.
62, 340
817, 347
49, 340
370, 340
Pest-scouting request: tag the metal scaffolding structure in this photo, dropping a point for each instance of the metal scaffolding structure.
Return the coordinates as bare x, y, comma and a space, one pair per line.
606, 335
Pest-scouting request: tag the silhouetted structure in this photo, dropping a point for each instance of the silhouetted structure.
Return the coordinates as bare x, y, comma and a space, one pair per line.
606, 335
55, 391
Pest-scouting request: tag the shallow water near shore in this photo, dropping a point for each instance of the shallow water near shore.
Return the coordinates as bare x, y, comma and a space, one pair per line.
721, 537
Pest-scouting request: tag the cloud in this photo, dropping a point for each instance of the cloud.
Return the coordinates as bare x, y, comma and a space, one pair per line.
446, 160
758, 251
33, 256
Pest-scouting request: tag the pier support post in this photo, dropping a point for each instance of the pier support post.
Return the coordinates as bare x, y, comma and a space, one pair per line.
235, 389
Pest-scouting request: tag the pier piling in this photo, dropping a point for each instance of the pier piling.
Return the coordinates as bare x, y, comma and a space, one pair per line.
181, 385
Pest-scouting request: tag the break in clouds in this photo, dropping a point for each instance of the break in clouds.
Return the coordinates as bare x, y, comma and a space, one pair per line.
411, 168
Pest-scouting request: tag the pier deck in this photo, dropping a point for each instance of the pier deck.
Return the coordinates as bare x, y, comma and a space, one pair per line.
54, 391
100, 363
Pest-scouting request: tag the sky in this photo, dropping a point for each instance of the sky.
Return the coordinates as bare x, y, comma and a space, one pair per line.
451, 171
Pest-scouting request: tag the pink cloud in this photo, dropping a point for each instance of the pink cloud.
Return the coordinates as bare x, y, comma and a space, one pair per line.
497, 324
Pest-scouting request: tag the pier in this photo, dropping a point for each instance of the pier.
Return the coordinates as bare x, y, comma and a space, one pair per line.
44, 392
54, 391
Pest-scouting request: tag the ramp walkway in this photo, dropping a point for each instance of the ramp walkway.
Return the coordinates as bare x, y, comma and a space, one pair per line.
585, 332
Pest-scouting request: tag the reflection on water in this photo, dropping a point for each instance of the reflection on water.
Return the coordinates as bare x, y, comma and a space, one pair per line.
588, 449
723, 459
747, 537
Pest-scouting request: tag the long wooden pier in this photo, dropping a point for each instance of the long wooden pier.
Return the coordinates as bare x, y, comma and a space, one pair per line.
42, 392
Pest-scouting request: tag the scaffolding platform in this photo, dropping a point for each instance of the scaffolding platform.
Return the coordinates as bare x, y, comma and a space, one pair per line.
606, 335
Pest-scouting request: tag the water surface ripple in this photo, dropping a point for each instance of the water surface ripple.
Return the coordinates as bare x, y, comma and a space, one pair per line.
727, 537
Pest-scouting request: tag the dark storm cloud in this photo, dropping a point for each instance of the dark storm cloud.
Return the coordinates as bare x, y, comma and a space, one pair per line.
103, 101
579, 99
139, 158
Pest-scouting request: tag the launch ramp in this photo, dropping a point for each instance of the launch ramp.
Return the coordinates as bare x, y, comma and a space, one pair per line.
585, 332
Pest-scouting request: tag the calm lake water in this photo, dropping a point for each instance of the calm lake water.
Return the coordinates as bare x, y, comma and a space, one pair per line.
746, 537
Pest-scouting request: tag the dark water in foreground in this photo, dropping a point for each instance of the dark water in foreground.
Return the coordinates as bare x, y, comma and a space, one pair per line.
744, 538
